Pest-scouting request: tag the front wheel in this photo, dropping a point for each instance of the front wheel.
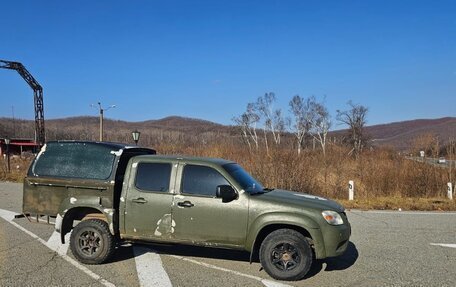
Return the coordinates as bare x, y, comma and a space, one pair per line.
285, 254
91, 241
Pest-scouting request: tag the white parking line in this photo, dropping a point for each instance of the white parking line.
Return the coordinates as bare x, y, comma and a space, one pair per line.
148, 263
55, 244
9, 216
150, 268
444, 245
268, 283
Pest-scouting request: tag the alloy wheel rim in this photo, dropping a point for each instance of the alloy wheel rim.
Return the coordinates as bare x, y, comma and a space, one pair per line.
285, 256
90, 243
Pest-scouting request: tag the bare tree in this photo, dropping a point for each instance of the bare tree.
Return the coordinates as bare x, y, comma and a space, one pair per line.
427, 142
273, 120
242, 122
248, 124
321, 124
303, 118
355, 119
279, 125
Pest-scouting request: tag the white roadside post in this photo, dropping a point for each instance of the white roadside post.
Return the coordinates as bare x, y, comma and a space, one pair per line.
351, 190
450, 191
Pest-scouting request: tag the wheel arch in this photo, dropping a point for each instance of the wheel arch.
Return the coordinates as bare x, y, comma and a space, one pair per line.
263, 232
79, 213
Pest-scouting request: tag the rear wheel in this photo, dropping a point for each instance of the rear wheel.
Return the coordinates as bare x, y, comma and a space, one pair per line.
91, 241
285, 254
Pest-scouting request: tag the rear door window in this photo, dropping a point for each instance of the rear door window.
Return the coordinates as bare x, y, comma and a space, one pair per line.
153, 177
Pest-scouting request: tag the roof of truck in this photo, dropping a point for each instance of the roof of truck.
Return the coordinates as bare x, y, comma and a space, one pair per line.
188, 159
111, 145
119, 146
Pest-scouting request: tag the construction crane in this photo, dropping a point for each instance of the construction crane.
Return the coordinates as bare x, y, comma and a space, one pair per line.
37, 95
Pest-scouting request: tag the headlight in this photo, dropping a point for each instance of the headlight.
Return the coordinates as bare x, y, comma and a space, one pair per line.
332, 217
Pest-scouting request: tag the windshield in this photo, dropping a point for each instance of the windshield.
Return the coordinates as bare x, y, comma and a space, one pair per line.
247, 182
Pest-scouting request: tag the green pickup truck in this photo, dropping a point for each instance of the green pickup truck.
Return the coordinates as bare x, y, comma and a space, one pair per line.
108, 193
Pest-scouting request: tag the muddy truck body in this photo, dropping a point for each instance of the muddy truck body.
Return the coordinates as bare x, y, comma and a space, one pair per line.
106, 193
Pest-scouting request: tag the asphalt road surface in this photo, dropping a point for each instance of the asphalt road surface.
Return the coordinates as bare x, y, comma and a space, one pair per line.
386, 249
434, 161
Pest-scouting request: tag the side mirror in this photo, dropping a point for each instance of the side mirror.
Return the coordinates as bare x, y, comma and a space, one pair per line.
226, 193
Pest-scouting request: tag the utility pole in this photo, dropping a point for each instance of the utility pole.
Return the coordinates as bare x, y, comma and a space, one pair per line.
101, 111
14, 122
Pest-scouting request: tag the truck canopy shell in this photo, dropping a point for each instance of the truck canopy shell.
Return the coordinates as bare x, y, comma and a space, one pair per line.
70, 169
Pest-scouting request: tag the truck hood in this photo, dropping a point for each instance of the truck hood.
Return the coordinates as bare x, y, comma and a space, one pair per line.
279, 196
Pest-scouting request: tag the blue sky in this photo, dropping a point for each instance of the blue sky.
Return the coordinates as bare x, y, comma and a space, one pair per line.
208, 59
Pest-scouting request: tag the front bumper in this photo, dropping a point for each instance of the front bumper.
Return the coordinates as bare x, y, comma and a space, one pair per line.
336, 238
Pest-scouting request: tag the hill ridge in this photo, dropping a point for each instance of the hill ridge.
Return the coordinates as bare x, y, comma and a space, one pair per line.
399, 135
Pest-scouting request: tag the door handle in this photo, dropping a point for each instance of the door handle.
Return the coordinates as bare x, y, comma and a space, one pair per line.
185, 204
139, 200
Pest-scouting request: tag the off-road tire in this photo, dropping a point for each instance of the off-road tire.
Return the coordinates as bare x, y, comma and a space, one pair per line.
91, 242
285, 254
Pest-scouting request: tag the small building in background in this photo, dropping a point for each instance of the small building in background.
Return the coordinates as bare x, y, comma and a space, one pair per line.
18, 146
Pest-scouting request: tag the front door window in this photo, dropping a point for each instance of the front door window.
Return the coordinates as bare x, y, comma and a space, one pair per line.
201, 180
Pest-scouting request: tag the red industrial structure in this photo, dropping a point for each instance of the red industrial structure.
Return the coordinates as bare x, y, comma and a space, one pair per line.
18, 146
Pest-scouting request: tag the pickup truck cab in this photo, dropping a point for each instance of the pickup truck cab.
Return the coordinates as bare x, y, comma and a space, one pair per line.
109, 193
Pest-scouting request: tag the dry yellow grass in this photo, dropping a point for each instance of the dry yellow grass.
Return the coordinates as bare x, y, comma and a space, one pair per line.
18, 167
